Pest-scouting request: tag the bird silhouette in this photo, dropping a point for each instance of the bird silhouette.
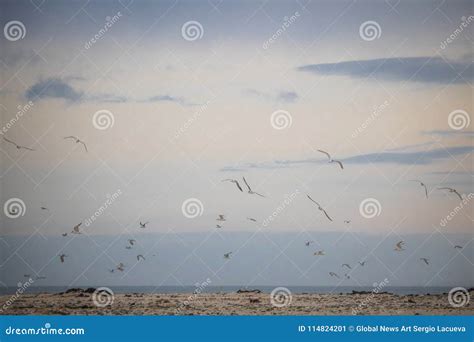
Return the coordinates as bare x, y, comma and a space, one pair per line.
451, 190
19, 147
235, 181
77, 141
250, 191
320, 208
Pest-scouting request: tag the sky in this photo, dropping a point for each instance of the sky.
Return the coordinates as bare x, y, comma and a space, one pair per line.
172, 97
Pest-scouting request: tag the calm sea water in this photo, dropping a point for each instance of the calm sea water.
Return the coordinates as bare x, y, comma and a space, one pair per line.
228, 289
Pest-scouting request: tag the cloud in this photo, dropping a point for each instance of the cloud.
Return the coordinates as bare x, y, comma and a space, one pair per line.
415, 69
448, 132
57, 88
53, 88
283, 96
385, 157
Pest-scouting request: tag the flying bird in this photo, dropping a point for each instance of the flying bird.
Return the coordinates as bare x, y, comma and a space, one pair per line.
77, 141
128, 247
227, 255
458, 247
347, 221
143, 225
112, 270
320, 208
131, 241
362, 263
421, 184
235, 181
62, 257
399, 246
75, 230
250, 191
140, 256
307, 243
44, 208
453, 191
120, 267
251, 219
347, 265
18, 146
218, 226
347, 276
26, 275
332, 274
64, 234
319, 253
332, 160
220, 218
425, 260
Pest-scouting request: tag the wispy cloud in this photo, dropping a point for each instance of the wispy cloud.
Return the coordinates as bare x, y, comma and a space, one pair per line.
283, 96
415, 69
56, 88
385, 157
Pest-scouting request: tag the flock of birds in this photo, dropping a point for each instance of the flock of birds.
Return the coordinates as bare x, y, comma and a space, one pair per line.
399, 246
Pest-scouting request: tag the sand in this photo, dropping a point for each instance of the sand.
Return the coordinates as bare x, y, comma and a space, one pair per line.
79, 302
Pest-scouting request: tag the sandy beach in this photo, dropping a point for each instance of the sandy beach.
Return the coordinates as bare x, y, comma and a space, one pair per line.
80, 302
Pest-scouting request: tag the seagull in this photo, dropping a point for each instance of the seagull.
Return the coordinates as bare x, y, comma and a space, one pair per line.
332, 160
227, 255
26, 275
18, 146
320, 208
307, 243
347, 221
399, 246
75, 230
332, 274
251, 219
422, 184
62, 257
131, 241
128, 247
44, 208
64, 234
112, 271
220, 218
347, 276
319, 253
347, 265
77, 141
251, 192
120, 267
140, 256
233, 181
143, 225
458, 247
453, 191
218, 226
362, 263
426, 260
